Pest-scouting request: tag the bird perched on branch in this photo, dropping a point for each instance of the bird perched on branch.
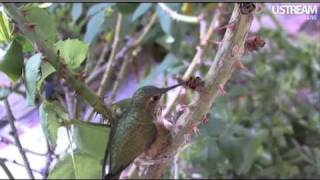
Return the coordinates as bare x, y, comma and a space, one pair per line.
135, 131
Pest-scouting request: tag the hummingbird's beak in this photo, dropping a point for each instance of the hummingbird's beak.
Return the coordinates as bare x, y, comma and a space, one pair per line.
164, 90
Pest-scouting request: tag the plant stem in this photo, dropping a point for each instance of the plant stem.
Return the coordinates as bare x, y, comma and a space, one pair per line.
6, 169
220, 71
52, 57
198, 58
178, 17
107, 72
16, 138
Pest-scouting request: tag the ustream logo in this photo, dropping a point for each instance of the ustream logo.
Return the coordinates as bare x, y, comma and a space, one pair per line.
295, 9
310, 10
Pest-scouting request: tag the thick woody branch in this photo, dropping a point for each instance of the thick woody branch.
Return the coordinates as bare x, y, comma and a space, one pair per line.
52, 57
219, 73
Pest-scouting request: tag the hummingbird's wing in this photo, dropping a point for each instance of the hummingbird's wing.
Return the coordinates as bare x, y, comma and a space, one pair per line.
112, 133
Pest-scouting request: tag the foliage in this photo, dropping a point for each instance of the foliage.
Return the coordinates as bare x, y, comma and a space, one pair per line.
267, 125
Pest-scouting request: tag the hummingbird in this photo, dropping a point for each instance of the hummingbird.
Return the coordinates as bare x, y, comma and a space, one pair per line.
135, 130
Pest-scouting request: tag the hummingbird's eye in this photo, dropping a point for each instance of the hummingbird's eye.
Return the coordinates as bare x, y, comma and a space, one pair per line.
155, 98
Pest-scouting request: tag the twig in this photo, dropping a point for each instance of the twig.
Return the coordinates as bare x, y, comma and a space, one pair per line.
69, 103
49, 160
5, 168
130, 46
5, 140
198, 58
16, 139
107, 72
178, 17
52, 57
133, 43
175, 167
128, 50
102, 56
121, 75
19, 164
92, 77
229, 51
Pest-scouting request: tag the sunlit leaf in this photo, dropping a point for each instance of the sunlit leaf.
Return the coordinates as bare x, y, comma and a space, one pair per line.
73, 51
5, 29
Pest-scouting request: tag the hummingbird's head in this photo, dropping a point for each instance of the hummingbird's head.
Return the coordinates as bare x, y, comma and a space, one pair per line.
150, 95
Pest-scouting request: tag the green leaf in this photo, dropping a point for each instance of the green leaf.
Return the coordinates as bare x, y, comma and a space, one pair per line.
46, 69
169, 61
4, 92
85, 167
249, 148
94, 26
44, 24
63, 169
76, 11
52, 115
141, 10
165, 20
229, 146
91, 138
5, 29
12, 61
73, 51
31, 77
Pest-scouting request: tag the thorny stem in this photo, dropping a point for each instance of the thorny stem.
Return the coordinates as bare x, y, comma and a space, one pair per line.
6, 169
52, 57
16, 139
178, 17
229, 51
